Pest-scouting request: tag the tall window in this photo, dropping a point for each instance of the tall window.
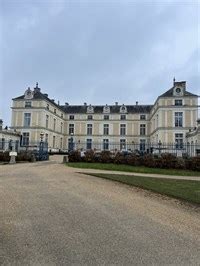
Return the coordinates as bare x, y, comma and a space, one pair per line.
61, 143
106, 144
122, 129
27, 104
47, 121
123, 117
27, 119
71, 129
178, 119
54, 111
89, 129
142, 129
89, 144
89, 117
122, 144
142, 117
25, 138
157, 120
179, 140
10, 144
47, 106
106, 117
16, 145
178, 102
54, 124
142, 144
61, 127
46, 138
106, 129
71, 117
2, 144
54, 141
61, 115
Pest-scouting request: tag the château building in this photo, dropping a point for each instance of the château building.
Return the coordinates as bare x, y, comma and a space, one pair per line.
167, 120
9, 139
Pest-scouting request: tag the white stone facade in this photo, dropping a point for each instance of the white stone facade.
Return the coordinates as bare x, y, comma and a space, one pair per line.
167, 120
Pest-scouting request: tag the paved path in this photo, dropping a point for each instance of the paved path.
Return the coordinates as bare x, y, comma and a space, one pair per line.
136, 174
58, 159
51, 215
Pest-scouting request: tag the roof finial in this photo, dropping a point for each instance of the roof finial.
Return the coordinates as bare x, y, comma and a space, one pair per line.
174, 80
36, 84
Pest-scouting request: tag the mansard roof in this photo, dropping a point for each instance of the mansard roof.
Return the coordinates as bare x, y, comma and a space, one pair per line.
169, 93
38, 96
75, 109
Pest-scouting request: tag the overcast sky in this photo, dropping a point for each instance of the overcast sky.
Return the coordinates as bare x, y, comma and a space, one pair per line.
97, 52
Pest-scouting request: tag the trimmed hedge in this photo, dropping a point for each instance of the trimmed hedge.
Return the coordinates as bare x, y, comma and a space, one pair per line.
165, 161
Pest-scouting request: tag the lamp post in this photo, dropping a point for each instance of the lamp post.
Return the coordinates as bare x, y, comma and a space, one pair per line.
133, 145
159, 146
41, 136
41, 146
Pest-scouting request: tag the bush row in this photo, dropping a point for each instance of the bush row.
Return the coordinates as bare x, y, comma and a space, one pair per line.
21, 156
166, 160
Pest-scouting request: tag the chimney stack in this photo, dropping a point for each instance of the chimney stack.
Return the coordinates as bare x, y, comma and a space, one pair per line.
116, 103
181, 84
36, 89
137, 103
174, 80
85, 104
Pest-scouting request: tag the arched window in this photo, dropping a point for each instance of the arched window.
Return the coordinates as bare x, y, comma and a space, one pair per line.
106, 109
28, 94
123, 109
90, 109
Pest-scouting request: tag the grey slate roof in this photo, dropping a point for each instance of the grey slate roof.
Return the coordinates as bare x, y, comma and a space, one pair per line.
169, 93
38, 96
75, 109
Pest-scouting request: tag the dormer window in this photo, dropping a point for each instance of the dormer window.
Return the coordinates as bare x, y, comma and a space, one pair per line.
123, 109
90, 109
28, 94
106, 109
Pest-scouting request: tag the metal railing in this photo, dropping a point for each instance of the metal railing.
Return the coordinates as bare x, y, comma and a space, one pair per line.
39, 149
178, 149
181, 150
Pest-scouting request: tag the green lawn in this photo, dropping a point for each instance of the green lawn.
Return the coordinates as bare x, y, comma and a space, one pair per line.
135, 169
182, 189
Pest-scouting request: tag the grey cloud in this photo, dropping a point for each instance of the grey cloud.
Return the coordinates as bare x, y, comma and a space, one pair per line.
98, 52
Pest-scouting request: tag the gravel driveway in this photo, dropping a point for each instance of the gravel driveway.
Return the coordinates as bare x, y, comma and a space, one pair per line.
51, 215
